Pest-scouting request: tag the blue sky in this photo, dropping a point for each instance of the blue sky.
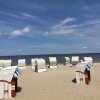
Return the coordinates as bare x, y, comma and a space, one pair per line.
49, 26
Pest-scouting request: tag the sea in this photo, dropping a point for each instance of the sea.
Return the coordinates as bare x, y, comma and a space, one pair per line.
60, 57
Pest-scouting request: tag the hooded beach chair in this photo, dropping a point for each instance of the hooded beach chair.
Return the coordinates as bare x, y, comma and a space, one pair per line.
75, 60
40, 65
7, 63
67, 61
52, 62
88, 59
33, 63
83, 72
8, 82
22, 63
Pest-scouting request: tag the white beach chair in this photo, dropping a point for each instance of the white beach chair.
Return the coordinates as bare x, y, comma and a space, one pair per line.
67, 61
33, 63
75, 60
52, 62
80, 76
88, 59
40, 65
83, 72
8, 82
22, 63
7, 63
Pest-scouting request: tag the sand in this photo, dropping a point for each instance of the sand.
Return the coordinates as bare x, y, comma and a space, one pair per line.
57, 84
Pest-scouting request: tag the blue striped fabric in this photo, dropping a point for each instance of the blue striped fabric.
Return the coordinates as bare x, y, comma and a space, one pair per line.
89, 66
17, 71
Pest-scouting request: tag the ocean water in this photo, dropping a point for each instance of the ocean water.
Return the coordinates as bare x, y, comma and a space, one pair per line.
60, 57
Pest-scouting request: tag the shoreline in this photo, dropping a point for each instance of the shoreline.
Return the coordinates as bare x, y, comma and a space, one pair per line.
60, 57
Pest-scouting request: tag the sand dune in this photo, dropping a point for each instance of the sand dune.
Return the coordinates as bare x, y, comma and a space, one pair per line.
57, 84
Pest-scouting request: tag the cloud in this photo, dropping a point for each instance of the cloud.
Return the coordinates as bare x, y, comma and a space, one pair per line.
26, 30
26, 15
22, 16
84, 47
88, 28
93, 21
64, 22
91, 31
10, 14
20, 32
32, 18
60, 29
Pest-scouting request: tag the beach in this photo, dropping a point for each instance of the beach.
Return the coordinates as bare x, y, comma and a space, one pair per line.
57, 84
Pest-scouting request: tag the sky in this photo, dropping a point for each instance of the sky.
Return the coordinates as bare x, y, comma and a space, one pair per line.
30, 27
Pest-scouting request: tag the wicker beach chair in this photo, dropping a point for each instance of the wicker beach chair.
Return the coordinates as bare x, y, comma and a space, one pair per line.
7, 63
33, 63
75, 60
67, 62
22, 63
40, 65
52, 62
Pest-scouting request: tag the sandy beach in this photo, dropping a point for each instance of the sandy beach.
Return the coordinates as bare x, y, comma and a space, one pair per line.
57, 84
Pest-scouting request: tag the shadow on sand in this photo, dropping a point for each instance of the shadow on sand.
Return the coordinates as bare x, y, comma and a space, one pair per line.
74, 80
19, 89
